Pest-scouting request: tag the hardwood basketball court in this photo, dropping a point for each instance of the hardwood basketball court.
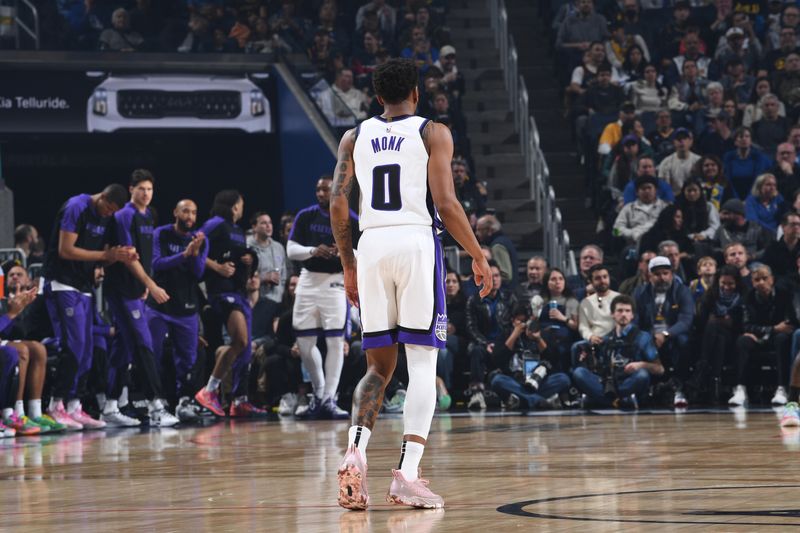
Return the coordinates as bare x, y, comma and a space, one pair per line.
574, 471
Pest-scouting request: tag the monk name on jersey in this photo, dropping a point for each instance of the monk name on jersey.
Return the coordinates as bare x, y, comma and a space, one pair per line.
389, 142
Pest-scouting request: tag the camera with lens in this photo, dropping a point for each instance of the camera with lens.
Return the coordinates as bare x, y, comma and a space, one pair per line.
535, 370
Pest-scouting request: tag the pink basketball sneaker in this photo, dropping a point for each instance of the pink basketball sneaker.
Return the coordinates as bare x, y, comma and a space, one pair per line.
414, 493
353, 481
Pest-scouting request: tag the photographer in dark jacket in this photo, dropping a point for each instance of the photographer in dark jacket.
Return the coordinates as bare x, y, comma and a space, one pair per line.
621, 366
769, 321
525, 346
488, 321
666, 311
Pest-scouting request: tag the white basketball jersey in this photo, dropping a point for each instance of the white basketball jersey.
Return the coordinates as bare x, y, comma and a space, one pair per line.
391, 166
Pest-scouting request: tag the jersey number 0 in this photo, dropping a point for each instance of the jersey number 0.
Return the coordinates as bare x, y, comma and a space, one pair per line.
386, 188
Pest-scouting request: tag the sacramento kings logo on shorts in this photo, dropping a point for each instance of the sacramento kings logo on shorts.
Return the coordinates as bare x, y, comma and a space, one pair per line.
441, 327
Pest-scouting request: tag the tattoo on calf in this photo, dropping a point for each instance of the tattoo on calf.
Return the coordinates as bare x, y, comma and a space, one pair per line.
367, 400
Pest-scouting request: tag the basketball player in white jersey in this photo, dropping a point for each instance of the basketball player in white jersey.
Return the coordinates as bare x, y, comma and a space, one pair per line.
402, 165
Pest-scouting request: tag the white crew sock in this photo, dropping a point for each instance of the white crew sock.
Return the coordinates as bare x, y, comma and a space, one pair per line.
359, 435
73, 405
213, 384
55, 403
7, 412
334, 360
312, 359
111, 406
410, 456
19, 408
35, 408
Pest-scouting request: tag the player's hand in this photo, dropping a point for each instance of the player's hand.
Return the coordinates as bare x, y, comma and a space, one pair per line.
351, 284
482, 274
226, 270
18, 301
159, 294
295, 351
123, 254
324, 252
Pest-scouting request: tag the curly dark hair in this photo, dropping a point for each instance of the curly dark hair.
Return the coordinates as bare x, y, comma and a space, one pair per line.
394, 80
224, 202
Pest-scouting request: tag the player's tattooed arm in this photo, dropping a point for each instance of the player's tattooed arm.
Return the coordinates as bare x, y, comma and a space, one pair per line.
344, 178
367, 399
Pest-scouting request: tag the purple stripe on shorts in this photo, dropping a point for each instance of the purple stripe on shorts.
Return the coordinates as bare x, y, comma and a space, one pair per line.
313, 332
379, 341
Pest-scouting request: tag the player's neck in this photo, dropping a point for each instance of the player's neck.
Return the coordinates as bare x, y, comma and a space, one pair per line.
140, 207
179, 230
402, 109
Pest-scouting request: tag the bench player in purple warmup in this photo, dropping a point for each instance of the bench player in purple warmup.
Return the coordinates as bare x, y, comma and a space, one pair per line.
402, 164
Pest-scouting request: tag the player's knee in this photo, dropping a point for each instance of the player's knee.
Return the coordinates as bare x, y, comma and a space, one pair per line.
23, 352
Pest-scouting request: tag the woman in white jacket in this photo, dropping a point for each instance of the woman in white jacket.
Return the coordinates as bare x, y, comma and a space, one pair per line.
648, 95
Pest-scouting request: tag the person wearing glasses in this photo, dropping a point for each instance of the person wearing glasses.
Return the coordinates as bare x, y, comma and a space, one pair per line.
786, 170
594, 313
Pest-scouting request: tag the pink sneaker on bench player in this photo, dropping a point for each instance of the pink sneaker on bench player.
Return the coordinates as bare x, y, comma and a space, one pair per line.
414, 493
353, 481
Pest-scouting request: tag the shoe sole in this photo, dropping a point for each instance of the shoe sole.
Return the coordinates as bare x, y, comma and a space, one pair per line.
218, 412
350, 495
397, 500
790, 423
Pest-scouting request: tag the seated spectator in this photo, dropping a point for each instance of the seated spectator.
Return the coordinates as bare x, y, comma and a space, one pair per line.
490, 232
594, 312
765, 205
647, 93
443, 112
612, 133
365, 59
735, 228
584, 74
290, 27
744, 49
621, 367
662, 138
677, 168
754, 109
373, 23
691, 50
470, 193
775, 60
488, 322
327, 19
637, 217
781, 38
646, 168
666, 311
717, 139
580, 284
456, 331
120, 37
25, 239
199, 38
579, 30
768, 322
713, 182
780, 254
618, 43
420, 50
672, 251
556, 309
670, 37
772, 129
602, 96
350, 104
642, 275
625, 164
731, 107
700, 217
385, 14
668, 227
633, 70
741, 166
512, 384
786, 84
452, 81
323, 53
719, 321
706, 270
688, 95
537, 270
786, 170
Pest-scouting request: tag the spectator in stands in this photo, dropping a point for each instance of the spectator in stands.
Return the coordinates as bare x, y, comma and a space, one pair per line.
677, 168
688, 95
632, 68
580, 284
323, 53
457, 334
742, 165
735, 254
490, 232
120, 37
626, 346
199, 37
488, 322
579, 30
524, 342
642, 275
700, 217
594, 313
717, 139
677, 256
713, 182
670, 37
691, 50
288, 25
780, 254
452, 80
444, 113
637, 217
735, 228
775, 59
662, 138
731, 107
612, 133
706, 270
350, 104
470, 193
648, 95
742, 51
768, 322
668, 227
647, 167
786, 170
771, 129
420, 50
586, 72
365, 59
620, 41
625, 164
556, 309
777, 38
25, 238
537, 269
786, 84
328, 21
765, 205
719, 321
602, 96
754, 109
385, 14
666, 310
